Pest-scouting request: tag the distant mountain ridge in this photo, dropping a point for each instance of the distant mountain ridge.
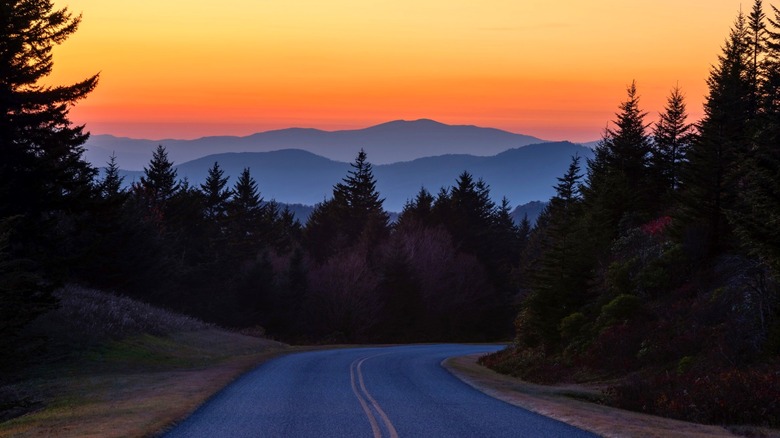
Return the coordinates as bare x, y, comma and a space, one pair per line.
385, 143
299, 177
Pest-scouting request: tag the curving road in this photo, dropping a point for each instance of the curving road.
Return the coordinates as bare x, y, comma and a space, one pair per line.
364, 392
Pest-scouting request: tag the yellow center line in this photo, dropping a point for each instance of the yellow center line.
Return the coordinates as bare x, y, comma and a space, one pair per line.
374, 425
385, 419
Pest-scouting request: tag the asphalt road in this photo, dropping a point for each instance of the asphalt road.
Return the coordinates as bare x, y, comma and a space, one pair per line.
364, 392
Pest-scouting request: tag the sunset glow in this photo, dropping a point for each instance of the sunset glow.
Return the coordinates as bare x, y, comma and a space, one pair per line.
555, 70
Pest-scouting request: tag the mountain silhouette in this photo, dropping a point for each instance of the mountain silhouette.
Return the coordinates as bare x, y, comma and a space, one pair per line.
386, 143
295, 176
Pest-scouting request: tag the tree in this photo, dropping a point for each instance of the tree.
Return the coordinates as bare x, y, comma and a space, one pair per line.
560, 277
215, 194
41, 165
357, 196
24, 294
245, 213
472, 214
756, 34
756, 211
714, 166
619, 192
418, 212
45, 184
159, 179
672, 137
111, 185
353, 216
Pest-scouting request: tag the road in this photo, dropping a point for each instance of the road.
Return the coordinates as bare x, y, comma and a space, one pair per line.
364, 392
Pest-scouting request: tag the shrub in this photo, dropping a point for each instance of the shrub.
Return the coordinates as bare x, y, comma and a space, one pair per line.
624, 307
572, 325
735, 396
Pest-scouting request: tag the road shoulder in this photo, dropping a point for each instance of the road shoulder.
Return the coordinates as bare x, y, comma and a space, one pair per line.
564, 403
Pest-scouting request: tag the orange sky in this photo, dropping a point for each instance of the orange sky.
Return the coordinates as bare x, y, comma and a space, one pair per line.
552, 69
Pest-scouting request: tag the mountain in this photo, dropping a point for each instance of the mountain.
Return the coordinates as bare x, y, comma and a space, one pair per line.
295, 176
390, 142
532, 209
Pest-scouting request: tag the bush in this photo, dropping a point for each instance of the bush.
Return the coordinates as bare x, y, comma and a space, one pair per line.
747, 396
622, 308
572, 325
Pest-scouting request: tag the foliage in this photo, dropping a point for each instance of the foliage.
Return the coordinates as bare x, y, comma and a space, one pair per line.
729, 396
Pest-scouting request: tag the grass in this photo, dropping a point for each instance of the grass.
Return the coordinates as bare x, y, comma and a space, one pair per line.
117, 367
573, 404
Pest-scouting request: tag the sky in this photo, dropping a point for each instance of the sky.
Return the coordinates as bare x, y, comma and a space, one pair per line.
552, 69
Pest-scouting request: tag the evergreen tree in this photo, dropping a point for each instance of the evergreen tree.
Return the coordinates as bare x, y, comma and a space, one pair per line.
354, 215
45, 183
756, 35
472, 214
418, 212
756, 211
560, 276
159, 179
672, 137
324, 235
357, 196
710, 177
245, 214
619, 193
215, 194
111, 185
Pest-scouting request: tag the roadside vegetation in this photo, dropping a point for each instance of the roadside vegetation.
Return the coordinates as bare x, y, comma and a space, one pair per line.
107, 365
656, 265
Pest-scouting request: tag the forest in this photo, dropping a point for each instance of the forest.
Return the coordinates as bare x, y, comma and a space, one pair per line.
655, 265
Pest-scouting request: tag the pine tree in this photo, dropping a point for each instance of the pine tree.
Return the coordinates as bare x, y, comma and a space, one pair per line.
41, 165
418, 212
245, 214
756, 35
159, 179
215, 194
471, 214
710, 177
560, 276
618, 194
756, 211
357, 196
111, 185
353, 216
45, 183
672, 137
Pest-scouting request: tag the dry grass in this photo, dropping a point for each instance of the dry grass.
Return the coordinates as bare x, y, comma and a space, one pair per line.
117, 367
95, 315
565, 403
127, 404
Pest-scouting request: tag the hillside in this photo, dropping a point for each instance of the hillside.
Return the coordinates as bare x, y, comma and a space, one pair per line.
390, 142
114, 366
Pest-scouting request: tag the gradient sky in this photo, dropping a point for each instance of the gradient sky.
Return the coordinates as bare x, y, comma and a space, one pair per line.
552, 69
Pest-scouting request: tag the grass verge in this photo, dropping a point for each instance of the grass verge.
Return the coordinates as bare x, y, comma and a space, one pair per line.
569, 403
137, 387
115, 367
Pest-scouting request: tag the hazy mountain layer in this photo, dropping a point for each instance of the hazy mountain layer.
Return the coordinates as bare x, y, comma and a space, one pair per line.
386, 143
294, 176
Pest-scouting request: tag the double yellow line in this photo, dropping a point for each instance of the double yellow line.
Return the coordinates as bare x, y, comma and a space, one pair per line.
365, 398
